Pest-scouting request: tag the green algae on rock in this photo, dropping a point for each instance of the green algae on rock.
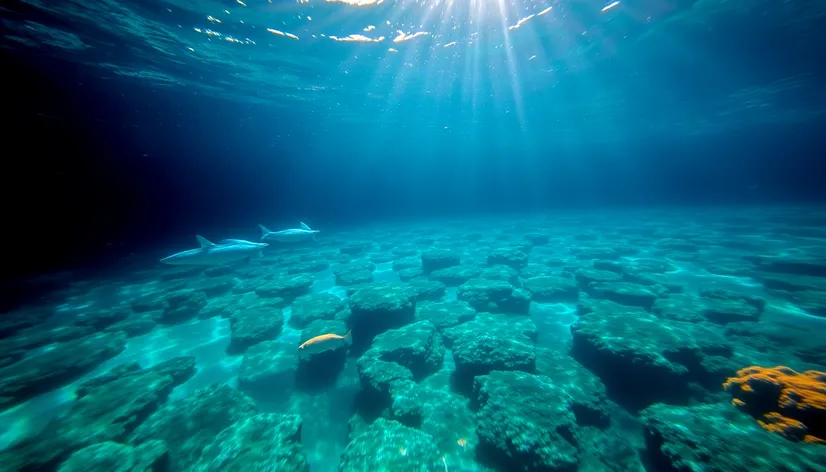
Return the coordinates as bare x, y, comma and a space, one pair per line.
389, 446
525, 423
718, 437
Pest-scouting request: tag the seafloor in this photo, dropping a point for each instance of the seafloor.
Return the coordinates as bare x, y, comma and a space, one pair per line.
596, 341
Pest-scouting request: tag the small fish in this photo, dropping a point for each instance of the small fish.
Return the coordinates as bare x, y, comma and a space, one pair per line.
323, 342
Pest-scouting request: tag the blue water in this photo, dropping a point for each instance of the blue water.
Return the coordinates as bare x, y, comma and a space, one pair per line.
707, 241
554, 235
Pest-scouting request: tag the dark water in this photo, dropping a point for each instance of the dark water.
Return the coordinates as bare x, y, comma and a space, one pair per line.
556, 231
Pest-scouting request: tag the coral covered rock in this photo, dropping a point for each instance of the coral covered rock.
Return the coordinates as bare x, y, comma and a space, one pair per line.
427, 289
261, 443
511, 257
315, 306
552, 289
109, 456
496, 296
181, 306
624, 293
436, 259
717, 437
503, 272
389, 446
353, 277
407, 263
525, 423
191, 424
407, 406
586, 277
57, 367
786, 402
223, 307
250, 327
268, 370
286, 286
410, 273
589, 403
14, 348
488, 323
417, 346
445, 314
213, 287
643, 359
377, 308
456, 275
388, 370
377, 377
109, 408
479, 353
723, 306
680, 307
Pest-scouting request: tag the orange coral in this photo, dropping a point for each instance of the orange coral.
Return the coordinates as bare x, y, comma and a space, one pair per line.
791, 403
787, 427
813, 440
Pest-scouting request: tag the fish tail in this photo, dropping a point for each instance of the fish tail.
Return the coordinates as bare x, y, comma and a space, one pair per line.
347, 337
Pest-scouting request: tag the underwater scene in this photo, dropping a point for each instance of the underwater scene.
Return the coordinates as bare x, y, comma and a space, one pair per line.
632, 341
413, 235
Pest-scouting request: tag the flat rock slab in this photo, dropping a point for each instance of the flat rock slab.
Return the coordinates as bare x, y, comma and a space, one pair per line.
57, 367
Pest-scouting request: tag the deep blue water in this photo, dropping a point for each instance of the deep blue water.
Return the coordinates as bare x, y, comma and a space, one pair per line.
132, 126
687, 132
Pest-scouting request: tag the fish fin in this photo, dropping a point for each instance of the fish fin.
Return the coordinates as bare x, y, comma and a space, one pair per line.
304, 225
347, 337
204, 242
264, 231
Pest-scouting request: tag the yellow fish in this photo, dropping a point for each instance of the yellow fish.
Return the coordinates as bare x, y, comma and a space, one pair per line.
324, 342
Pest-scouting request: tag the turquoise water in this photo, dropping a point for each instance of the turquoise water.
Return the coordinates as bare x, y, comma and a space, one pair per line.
521, 295
521, 73
567, 236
